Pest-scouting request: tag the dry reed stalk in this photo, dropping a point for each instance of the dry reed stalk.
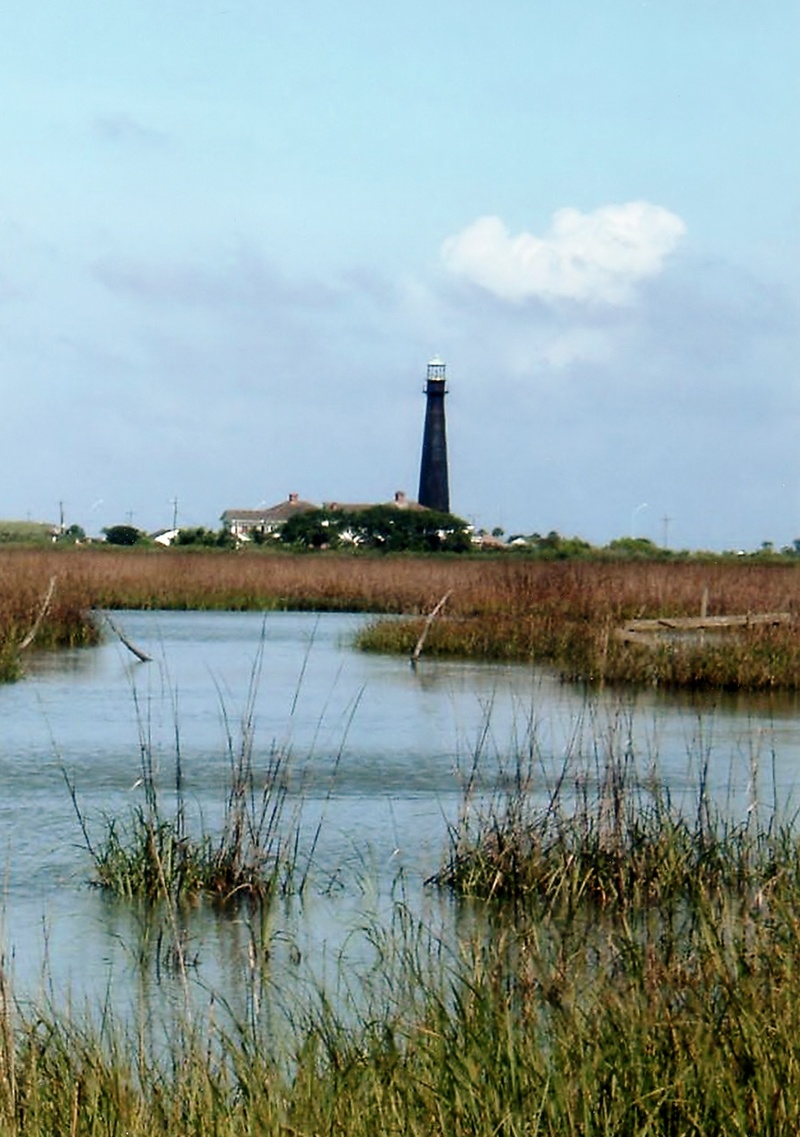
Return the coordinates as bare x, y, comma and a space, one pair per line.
44, 608
8, 1074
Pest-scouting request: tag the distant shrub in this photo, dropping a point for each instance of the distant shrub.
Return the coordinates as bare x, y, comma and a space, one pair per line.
71, 536
313, 529
553, 547
206, 538
635, 548
123, 535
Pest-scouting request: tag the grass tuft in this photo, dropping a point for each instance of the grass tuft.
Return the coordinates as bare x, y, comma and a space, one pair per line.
606, 838
255, 855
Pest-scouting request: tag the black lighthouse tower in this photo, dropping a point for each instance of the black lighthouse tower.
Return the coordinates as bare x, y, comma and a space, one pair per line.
434, 490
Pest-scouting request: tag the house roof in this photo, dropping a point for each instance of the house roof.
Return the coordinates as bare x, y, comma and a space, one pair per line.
274, 513
347, 506
361, 506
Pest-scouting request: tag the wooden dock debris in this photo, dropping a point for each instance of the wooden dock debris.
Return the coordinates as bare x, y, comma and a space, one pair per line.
650, 631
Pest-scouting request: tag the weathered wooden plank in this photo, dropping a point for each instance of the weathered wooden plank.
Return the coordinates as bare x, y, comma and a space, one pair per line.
701, 623
651, 631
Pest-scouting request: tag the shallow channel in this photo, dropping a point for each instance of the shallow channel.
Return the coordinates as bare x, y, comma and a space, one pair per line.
379, 755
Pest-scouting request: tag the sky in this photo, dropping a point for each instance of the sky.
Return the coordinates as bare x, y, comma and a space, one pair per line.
232, 235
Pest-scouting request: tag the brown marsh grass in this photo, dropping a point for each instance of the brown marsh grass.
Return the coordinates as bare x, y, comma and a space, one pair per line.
568, 616
563, 614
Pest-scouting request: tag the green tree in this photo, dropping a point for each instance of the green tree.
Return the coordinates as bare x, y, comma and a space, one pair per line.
207, 538
71, 536
381, 527
314, 529
635, 548
122, 535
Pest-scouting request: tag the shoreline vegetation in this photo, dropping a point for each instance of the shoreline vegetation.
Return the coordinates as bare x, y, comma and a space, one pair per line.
567, 615
631, 969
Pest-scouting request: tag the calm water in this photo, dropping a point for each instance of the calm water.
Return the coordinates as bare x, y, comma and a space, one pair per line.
379, 753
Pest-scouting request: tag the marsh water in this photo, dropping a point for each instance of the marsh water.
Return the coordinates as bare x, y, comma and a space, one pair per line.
376, 754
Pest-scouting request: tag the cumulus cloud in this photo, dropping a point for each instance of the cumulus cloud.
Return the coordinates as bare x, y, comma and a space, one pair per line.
594, 258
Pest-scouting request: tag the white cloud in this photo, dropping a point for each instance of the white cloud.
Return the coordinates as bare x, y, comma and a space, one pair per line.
596, 257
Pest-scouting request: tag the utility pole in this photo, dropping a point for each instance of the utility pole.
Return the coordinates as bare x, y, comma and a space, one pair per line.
665, 522
175, 512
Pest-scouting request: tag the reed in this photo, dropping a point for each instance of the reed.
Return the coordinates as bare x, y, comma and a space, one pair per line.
564, 615
569, 617
153, 856
604, 836
35, 613
629, 967
545, 1025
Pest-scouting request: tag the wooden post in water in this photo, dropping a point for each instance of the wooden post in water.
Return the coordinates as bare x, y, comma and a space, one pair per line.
431, 617
124, 640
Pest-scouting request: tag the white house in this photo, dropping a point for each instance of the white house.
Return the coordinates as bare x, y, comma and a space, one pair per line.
242, 523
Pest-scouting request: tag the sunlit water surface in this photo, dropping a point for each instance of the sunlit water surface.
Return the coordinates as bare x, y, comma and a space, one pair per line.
380, 753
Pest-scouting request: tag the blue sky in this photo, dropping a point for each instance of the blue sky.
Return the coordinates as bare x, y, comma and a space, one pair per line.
233, 234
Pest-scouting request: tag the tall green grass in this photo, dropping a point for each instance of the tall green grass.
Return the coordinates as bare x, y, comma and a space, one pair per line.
625, 964
605, 835
153, 855
540, 1024
621, 966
